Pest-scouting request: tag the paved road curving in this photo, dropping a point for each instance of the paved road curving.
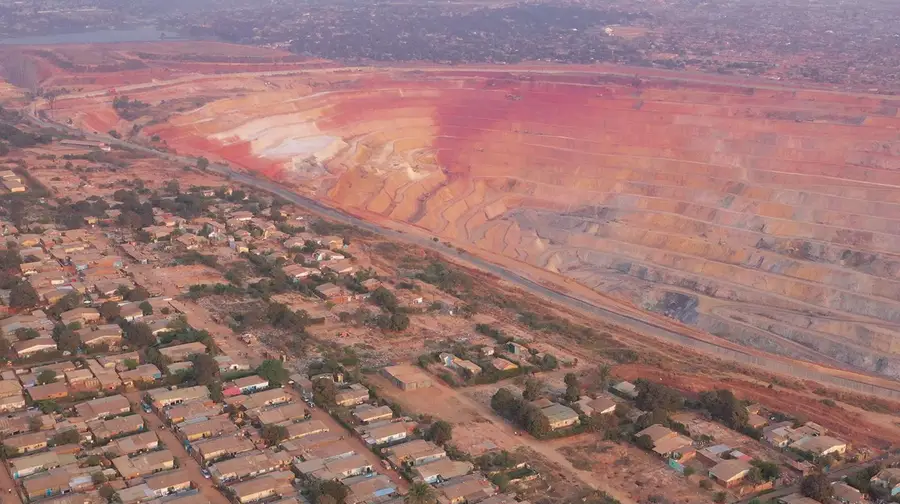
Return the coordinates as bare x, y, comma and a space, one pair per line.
634, 322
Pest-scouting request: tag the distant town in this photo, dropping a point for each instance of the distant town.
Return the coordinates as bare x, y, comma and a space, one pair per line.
845, 45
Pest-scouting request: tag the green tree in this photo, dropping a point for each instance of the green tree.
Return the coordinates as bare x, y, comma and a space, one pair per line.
720, 497
768, 471
603, 375
146, 308
505, 403
395, 322
68, 302
644, 442
139, 293
130, 364
67, 340
140, 335
48, 406
46, 376
816, 487
215, 391
206, 369
26, 333
108, 493
22, 296
69, 436
549, 362
657, 396
440, 432
109, 310
273, 434
202, 163
35, 424
535, 422
725, 407
420, 493
573, 393
324, 391
10, 258
273, 371
385, 299
533, 389
333, 490
501, 480
600, 422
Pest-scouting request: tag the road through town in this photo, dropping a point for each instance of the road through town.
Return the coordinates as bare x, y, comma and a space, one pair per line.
173, 444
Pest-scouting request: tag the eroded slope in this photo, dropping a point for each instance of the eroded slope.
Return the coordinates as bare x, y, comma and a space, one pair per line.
767, 216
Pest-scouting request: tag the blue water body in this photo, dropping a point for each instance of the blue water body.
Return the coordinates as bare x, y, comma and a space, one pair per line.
139, 34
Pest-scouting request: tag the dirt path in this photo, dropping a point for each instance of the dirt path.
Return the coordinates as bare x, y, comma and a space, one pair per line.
440, 396
357, 443
7, 483
860, 427
226, 340
188, 463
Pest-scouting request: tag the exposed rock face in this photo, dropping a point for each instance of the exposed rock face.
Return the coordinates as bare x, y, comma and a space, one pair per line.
767, 216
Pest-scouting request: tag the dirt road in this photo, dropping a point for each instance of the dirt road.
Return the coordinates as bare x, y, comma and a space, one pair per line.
442, 401
358, 445
188, 463
226, 340
6, 484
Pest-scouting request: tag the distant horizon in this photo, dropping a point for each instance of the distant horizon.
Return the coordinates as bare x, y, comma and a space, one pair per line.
95, 36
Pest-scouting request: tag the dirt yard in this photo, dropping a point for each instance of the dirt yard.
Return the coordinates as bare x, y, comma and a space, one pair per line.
631, 470
852, 425
476, 428
174, 280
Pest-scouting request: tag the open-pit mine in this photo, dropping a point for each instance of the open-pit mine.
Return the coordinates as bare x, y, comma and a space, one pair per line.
759, 213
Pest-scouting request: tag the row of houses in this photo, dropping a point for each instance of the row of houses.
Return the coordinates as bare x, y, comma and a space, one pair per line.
724, 465
62, 464
327, 456
43, 471
70, 377
236, 460
809, 437
91, 334
11, 181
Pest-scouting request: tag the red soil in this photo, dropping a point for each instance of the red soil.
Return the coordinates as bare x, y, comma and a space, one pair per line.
853, 426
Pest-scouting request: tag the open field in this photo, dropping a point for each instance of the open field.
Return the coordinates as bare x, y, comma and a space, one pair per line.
477, 429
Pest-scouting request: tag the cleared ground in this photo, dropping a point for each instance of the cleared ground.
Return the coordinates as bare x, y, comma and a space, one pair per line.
476, 427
